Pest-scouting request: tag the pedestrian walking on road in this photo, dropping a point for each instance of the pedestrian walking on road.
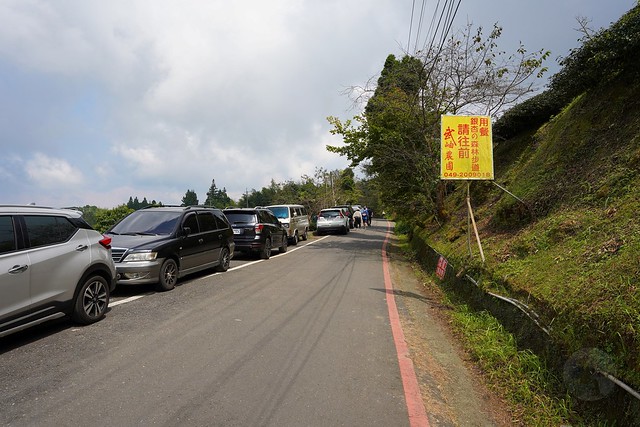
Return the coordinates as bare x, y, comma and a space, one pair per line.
357, 218
365, 217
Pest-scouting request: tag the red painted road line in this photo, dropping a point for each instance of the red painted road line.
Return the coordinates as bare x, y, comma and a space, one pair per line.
413, 397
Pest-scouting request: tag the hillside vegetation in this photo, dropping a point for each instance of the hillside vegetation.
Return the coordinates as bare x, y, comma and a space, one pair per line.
559, 227
569, 244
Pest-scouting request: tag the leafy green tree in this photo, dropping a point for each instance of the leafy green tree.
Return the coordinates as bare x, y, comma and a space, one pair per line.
105, 218
349, 192
396, 139
89, 214
324, 189
389, 139
217, 198
190, 198
601, 57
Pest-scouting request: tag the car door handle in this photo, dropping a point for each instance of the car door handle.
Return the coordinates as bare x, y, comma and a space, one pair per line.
201, 241
81, 248
18, 269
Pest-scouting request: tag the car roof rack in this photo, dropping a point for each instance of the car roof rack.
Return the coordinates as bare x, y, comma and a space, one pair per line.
28, 206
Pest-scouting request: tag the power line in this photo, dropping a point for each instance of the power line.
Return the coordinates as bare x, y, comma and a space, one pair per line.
415, 48
413, 5
445, 22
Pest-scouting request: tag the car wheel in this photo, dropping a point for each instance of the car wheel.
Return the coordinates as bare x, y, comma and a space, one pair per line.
168, 275
345, 229
304, 235
296, 239
92, 300
282, 249
225, 260
265, 253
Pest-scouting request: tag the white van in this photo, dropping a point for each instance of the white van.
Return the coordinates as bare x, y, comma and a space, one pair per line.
294, 219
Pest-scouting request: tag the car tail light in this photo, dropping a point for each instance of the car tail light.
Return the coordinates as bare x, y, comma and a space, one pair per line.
259, 228
105, 241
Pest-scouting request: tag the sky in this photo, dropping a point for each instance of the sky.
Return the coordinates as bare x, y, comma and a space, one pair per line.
105, 100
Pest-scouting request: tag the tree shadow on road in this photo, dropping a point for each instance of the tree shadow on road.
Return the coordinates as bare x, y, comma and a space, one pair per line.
427, 300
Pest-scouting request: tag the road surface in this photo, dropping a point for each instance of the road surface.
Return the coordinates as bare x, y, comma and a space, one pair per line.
304, 338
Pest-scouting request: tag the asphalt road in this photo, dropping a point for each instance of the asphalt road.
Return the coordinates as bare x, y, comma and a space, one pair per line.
303, 338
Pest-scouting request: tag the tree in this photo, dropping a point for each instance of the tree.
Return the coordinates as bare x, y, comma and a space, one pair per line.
602, 56
89, 214
190, 198
217, 198
396, 139
105, 218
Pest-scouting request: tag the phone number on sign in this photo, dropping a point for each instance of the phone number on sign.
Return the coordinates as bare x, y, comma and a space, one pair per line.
487, 175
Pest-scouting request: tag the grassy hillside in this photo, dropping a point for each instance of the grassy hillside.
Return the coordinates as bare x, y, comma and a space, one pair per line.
570, 247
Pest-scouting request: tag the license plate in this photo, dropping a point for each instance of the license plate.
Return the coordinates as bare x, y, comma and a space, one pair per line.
236, 231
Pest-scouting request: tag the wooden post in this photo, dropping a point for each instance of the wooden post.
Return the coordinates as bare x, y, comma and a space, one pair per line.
473, 221
469, 221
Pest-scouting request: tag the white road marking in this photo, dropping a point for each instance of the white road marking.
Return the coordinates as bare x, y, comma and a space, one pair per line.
126, 300
133, 298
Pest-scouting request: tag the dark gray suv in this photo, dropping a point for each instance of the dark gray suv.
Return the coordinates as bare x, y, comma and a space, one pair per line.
159, 245
52, 264
257, 231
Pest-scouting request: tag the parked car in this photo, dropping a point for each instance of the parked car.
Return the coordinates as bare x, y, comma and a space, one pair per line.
294, 219
348, 210
332, 220
257, 231
52, 264
159, 245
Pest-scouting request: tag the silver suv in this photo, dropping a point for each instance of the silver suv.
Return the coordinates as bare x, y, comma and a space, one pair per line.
52, 264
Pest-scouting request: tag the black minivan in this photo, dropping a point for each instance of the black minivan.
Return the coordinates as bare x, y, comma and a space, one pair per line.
162, 244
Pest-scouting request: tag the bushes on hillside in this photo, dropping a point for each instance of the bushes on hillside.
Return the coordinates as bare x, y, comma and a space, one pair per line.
529, 114
600, 59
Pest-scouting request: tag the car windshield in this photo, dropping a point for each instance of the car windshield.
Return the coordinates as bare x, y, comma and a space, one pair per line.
241, 217
147, 222
281, 212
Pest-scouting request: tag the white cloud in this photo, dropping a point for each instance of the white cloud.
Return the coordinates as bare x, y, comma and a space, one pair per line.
52, 173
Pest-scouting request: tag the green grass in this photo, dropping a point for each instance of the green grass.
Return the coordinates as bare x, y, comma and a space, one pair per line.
533, 393
517, 375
